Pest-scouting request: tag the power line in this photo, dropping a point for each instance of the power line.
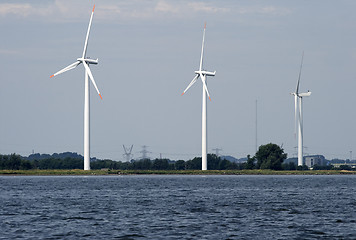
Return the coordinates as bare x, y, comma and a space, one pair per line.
217, 150
144, 152
128, 153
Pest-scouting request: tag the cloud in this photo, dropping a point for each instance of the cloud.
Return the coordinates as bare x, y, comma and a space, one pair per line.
29, 10
157, 9
275, 10
58, 10
10, 52
22, 10
164, 7
73, 10
265, 10
182, 7
208, 8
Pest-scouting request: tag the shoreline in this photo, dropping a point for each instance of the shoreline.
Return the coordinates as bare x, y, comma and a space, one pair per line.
71, 172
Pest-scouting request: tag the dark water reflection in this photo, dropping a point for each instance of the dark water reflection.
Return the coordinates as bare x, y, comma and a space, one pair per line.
178, 207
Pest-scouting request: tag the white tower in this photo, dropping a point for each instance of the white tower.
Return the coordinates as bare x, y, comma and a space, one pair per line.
85, 61
298, 116
203, 76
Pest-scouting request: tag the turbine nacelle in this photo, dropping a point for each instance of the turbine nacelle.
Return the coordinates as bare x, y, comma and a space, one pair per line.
205, 73
88, 60
307, 94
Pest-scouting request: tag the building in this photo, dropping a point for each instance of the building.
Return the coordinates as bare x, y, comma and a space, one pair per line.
312, 160
291, 160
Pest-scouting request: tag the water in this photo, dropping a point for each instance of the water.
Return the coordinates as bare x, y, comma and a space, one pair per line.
178, 207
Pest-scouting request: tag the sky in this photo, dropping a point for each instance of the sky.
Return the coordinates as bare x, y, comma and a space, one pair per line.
148, 52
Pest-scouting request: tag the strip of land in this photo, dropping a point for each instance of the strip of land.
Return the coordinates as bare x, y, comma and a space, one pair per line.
38, 172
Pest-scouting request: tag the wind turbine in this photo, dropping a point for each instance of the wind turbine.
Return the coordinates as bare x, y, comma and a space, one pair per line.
203, 76
85, 61
298, 116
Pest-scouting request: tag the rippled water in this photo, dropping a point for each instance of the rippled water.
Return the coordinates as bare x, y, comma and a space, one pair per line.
178, 207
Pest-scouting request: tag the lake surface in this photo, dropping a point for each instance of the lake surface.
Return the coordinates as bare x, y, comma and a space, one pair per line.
178, 207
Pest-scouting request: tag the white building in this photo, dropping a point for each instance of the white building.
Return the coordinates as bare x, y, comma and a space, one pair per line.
312, 160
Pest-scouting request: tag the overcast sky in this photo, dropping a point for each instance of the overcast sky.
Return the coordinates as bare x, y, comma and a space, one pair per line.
148, 52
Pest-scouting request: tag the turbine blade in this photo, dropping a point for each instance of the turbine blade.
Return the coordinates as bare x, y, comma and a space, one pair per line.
87, 37
191, 83
91, 77
73, 65
300, 73
205, 87
202, 50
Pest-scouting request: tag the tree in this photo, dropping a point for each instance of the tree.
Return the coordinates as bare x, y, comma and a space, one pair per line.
143, 164
179, 165
289, 166
213, 162
195, 163
250, 164
11, 162
345, 167
270, 156
319, 167
302, 168
160, 164
14, 162
146, 164
224, 164
25, 165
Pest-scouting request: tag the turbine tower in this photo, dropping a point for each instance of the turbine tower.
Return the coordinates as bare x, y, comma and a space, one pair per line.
85, 61
298, 117
203, 76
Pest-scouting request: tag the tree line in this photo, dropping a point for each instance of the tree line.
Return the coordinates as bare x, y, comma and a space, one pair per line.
269, 156
17, 162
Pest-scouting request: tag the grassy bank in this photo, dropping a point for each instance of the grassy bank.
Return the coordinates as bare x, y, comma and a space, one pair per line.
171, 172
